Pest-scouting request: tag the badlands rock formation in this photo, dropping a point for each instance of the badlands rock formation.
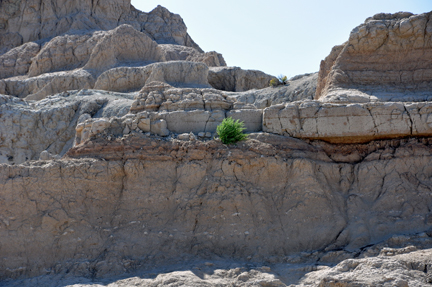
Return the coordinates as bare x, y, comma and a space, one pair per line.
388, 58
47, 48
109, 166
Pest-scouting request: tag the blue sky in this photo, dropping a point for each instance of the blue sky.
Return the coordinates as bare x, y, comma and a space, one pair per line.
288, 37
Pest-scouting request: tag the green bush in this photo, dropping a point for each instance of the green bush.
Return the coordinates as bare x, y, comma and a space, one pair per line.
280, 80
231, 131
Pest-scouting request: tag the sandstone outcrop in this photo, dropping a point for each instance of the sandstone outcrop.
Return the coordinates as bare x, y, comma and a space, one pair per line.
42, 64
269, 197
235, 79
388, 58
110, 165
27, 129
410, 269
28, 21
349, 123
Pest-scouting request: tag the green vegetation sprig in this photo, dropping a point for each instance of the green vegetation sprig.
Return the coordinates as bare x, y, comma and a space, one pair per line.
231, 131
279, 81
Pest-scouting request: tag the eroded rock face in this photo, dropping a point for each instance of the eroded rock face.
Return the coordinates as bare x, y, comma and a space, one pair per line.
235, 79
27, 129
349, 123
101, 37
402, 268
205, 199
26, 21
388, 58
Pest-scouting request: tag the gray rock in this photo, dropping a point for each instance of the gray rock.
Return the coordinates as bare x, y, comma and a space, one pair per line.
20, 23
235, 79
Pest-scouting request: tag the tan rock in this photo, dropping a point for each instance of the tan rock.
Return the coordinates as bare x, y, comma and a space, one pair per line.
28, 128
123, 44
388, 58
144, 124
24, 21
123, 79
180, 73
37, 88
159, 127
183, 53
65, 53
246, 199
16, 62
237, 80
348, 123
252, 119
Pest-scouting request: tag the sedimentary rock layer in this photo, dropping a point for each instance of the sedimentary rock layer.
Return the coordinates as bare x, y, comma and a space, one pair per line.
349, 123
150, 200
26, 21
387, 58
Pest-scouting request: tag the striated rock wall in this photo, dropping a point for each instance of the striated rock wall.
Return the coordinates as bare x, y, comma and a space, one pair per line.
387, 58
26, 21
27, 129
151, 202
349, 123
235, 79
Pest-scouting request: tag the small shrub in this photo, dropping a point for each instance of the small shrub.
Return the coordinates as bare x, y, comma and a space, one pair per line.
231, 131
280, 80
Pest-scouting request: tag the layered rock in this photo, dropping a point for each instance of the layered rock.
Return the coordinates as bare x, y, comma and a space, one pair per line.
27, 21
349, 123
143, 183
393, 267
82, 40
388, 58
205, 199
235, 79
28, 129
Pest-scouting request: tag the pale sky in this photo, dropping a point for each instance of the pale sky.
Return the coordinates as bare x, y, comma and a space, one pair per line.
288, 37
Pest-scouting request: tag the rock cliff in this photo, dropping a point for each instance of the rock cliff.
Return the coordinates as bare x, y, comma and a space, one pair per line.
146, 200
387, 58
109, 163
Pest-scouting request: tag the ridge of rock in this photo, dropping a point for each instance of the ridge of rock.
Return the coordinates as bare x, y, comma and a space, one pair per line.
387, 58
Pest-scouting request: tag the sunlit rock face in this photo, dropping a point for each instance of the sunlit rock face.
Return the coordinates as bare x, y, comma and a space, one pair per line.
387, 58
110, 162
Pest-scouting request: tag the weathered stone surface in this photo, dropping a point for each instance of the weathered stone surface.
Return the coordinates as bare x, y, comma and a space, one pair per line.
299, 88
235, 79
123, 44
183, 53
66, 52
251, 118
160, 96
37, 88
388, 58
377, 266
123, 79
349, 123
410, 269
17, 61
93, 44
204, 200
27, 129
180, 74
26, 21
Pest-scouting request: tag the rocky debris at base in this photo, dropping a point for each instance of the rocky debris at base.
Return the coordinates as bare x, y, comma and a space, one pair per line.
387, 58
205, 199
399, 261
